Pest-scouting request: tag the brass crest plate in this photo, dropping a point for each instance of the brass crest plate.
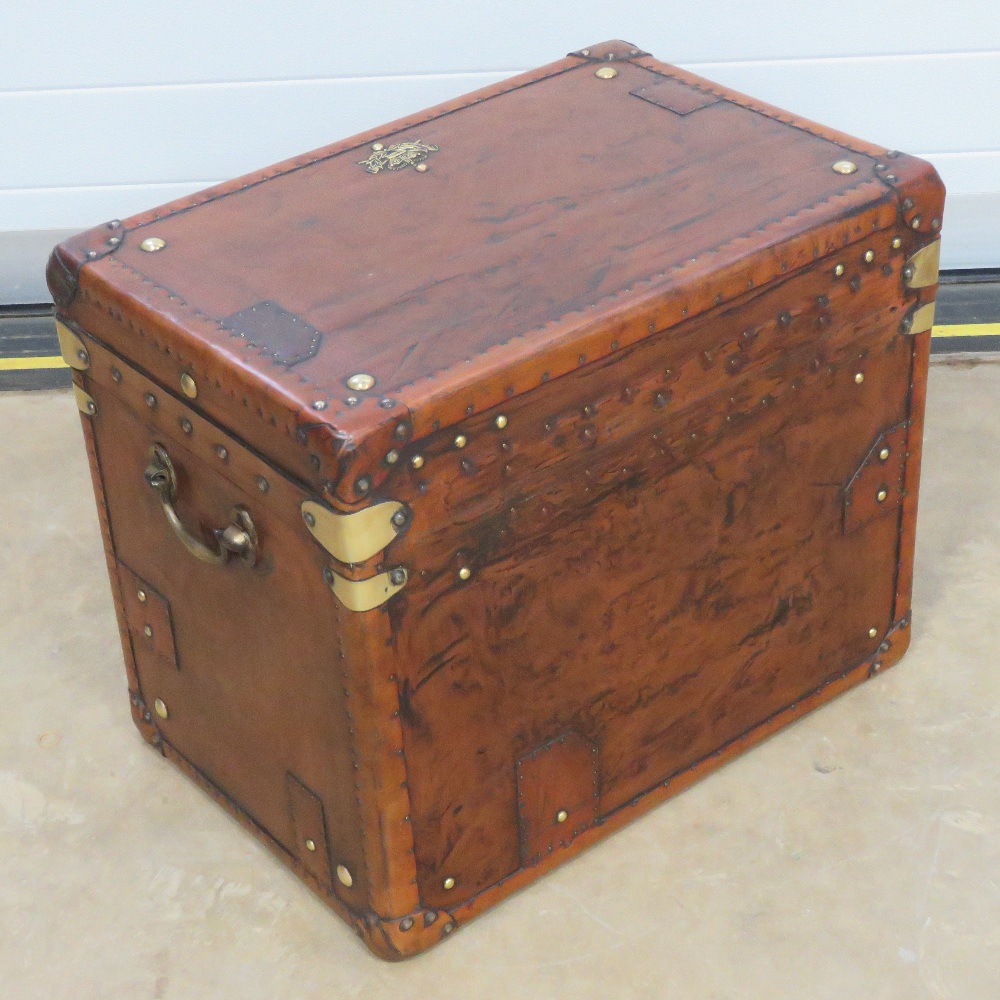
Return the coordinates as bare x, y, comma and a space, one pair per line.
398, 156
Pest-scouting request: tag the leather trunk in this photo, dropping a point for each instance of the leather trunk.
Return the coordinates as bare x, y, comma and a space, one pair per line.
474, 484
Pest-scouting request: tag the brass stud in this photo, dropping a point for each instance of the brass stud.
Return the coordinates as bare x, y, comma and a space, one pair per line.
345, 876
320, 404
464, 573
262, 484
222, 451
421, 167
406, 923
501, 422
845, 167
562, 816
838, 270
310, 844
116, 375
883, 454
859, 378
152, 243
141, 594
881, 495
186, 425
188, 385
461, 441
399, 518
161, 709
309, 518
915, 224
449, 883
150, 400
872, 632
392, 457
897, 243
417, 461
869, 256
377, 146
448, 928
361, 382
606, 73
147, 631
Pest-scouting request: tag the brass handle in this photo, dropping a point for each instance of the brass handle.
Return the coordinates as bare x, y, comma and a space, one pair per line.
238, 538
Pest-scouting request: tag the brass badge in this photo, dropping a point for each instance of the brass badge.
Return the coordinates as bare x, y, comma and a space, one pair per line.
397, 156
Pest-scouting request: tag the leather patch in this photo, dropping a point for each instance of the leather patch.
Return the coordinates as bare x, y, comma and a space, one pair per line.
311, 846
675, 96
287, 338
147, 614
556, 795
876, 488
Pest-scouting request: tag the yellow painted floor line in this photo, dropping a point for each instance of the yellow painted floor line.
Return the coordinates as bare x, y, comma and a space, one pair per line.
967, 330
21, 364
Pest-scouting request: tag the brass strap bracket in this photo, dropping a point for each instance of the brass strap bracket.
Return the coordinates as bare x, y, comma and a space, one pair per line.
364, 595
919, 321
84, 402
355, 538
74, 351
923, 267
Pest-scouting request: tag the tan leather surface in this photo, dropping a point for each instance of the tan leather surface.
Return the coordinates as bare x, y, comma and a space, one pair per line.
617, 387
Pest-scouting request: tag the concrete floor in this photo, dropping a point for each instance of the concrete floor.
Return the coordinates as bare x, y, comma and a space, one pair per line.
856, 854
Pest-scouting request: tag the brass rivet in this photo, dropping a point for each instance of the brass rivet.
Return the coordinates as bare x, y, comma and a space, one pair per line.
147, 631
501, 422
461, 441
406, 923
150, 399
189, 385
320, 404
883, 454
449, 883
869, 256
141, 594
448, 928
397, 577
186, 425
91, 407
422, 167
352, 400
262, 484
877, 665
859, 378
417, 461
838, 270
309, 518
346, 878
361, 382
897, 243
152, 243
881, 495
222, 452
377, 146
464, 573
392, 457
161, 709
399, 518
362, 485
562, 816
606, 73
915, 224
872, 632
310, 844
845, 167
116, 375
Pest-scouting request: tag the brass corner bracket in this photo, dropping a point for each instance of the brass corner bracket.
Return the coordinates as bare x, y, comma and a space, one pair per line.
354, 538
365, 595
74, 351
923, 267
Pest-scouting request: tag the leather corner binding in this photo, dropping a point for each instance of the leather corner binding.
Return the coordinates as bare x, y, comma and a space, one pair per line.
62, 273
610, 51
876, 488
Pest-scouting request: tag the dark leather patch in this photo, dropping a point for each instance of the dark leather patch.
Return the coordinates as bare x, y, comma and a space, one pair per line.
879, 475
675, 96
311, 846
556, 795
147, 613
287, 338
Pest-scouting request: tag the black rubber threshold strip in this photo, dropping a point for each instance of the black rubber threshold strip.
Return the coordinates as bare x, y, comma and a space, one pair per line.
967, 320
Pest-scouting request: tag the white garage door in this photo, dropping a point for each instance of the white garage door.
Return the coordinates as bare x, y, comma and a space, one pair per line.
110, 108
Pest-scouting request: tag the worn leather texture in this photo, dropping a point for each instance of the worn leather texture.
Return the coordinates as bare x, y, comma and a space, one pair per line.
637, 348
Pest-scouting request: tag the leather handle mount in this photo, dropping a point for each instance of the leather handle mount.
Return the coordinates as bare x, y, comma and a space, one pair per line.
238, 538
